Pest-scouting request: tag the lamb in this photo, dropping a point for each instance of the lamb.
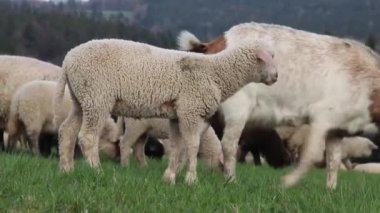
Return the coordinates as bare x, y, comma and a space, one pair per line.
138, 80
138, 130
14, 72
367, 167
31, 113
352, 147
348, 99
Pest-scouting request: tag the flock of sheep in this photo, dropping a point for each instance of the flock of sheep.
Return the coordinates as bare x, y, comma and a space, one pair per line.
300, 96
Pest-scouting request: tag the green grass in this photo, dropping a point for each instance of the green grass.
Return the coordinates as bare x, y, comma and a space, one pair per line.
33, 184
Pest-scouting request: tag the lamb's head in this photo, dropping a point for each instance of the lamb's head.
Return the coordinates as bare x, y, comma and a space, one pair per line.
257, 63
358, 146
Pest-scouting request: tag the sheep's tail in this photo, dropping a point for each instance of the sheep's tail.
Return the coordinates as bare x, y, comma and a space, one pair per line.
187, 41
58, 100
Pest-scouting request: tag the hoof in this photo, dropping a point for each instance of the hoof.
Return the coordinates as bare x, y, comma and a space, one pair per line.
289, 181
66, 167
191, 178
169, 177
331, 185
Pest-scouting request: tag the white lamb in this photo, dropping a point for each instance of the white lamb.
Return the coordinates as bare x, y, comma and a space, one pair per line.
138, 130
323, 80
32, 112
352, 147
367, 167
138, 80
16, 71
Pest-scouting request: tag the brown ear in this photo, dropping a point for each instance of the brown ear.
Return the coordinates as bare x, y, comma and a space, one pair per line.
265, 56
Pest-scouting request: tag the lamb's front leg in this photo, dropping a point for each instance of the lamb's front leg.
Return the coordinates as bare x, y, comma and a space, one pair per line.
312, 153
333, 160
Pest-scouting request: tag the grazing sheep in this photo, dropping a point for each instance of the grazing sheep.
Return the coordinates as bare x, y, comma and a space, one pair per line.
138, 131
331, 83
367, 167
138, 80
16, 71
32, 112
257, 141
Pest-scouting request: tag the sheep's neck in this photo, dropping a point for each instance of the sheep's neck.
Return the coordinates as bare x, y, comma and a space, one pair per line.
230, 77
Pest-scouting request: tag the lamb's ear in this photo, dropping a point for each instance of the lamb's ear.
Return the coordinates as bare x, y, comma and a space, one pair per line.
265, 56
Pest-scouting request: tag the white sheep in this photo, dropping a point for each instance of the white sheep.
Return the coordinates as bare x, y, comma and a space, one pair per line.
138, 130
138, 80
327, 81
16, 71
32, 112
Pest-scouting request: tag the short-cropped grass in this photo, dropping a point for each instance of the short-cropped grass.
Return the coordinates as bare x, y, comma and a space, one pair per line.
35, 184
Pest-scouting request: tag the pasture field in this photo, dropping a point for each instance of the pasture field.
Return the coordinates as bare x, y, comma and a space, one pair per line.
33, 184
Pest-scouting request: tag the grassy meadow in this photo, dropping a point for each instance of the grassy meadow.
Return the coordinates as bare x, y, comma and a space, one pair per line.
34, 184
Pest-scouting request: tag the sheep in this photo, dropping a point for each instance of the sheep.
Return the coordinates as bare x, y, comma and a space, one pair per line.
367, 167
331, 83
257, 141
138, 80
31, 113
14, 72
138, 131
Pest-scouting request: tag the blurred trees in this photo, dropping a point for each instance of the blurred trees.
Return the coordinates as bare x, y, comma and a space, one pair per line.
49, 34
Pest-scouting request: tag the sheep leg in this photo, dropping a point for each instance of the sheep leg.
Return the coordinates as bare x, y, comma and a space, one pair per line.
230, 141
92, 124
347, 163
13, 137
175, 151
2, 147
211, 150
67, 135
34, 136
241, 154
312, 153
191, 135
333, 160
256, 157
139, 151
130, 138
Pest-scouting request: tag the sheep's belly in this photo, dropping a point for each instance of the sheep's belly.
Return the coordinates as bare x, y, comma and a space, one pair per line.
141, 110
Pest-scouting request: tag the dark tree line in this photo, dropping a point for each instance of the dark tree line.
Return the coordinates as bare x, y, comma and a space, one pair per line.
49, 34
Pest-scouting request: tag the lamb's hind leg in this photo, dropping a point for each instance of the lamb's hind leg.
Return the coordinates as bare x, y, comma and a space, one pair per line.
312, 153
67, 135
333, 159
92, 124
191, 135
